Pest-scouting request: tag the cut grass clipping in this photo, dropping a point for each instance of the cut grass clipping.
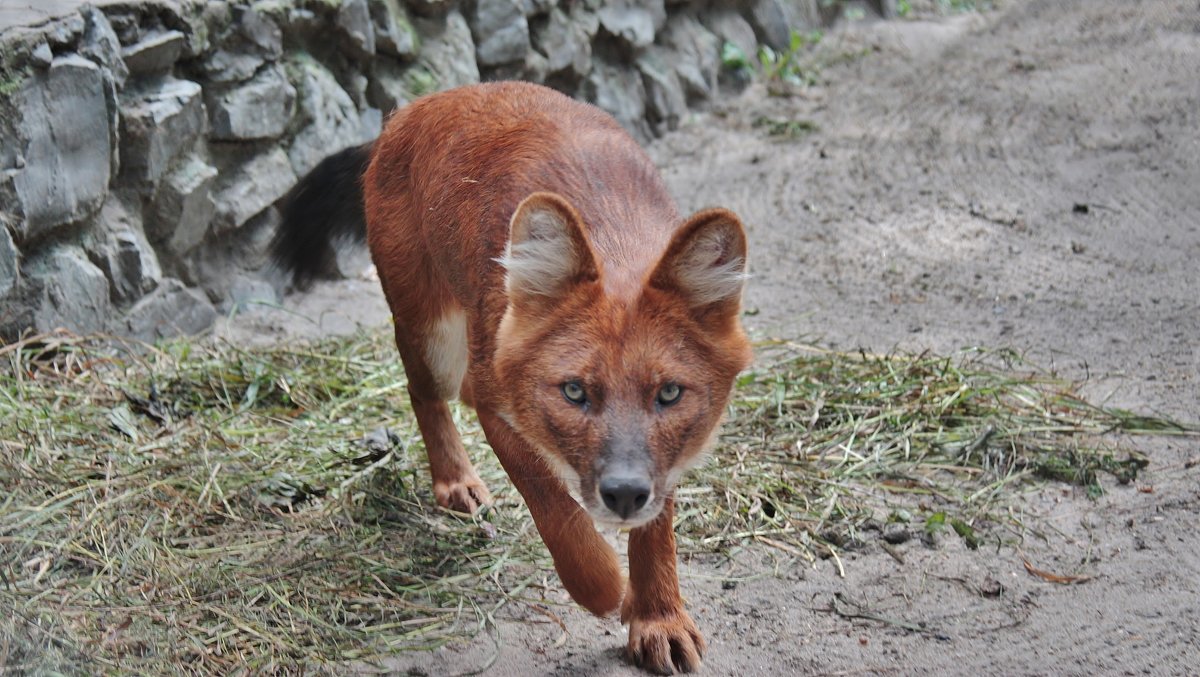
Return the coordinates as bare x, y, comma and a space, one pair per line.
216, 509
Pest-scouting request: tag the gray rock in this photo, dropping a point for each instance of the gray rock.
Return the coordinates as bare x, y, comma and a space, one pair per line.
112, 102
18, 310
193, 20
355, 24
429, 8
183, 207
64, 156
802, 14
126, 26
248, 290
535, 7
770, 24
886, 8
532, 68
157, 126
351, 262
501, 32
216, 265
63, 33
260, 108
371, 121
387, 87
566, 40
155, 53
620, 92
170, 310
253, 187
250, 248
447, 54
632, 25
252, 40
116, 245
130, 266
42, 56
213, 23
99, 43
11, 218
259, 33
356, 86
74, 292
233, 66
394, 32
657, 9
658, 12
730, 27
331, 119
665, 102
136, 20
697, 56
10, 263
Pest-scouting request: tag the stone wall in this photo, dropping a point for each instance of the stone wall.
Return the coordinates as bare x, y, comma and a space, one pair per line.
145, 143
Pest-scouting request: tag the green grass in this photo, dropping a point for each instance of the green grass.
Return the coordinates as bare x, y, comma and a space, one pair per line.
207, 508
784, 129
822, 448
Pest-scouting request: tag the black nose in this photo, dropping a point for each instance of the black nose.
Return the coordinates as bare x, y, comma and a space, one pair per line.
625, 495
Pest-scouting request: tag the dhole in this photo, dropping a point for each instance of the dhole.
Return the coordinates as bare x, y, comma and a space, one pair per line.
537, 269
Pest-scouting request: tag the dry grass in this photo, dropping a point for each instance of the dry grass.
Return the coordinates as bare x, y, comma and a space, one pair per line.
209, 509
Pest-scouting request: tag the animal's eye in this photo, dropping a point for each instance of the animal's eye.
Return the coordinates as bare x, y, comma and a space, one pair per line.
574, 392
669, 394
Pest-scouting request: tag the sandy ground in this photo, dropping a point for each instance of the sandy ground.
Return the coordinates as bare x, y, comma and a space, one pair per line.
1027, 177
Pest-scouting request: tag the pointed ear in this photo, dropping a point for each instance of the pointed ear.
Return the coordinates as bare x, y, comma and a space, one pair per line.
548, 251
706, 264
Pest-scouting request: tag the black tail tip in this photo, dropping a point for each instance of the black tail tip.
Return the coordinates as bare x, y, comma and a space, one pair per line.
319, 214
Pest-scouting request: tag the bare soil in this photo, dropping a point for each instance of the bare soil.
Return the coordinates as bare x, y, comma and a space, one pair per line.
1025, 177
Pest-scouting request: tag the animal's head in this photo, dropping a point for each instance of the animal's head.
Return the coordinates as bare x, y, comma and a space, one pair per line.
620, 395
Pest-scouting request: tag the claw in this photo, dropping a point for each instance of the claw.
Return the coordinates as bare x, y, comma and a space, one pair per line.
462, 496
666, 644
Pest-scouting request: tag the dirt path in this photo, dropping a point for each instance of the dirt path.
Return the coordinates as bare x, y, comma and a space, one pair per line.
1029, 177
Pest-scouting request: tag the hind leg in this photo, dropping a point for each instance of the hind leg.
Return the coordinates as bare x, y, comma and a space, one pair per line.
431, 329
435, 361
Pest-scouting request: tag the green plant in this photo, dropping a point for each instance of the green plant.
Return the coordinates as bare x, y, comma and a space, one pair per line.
959, 6
734, 58
419, 81
11, 82
786, 66
776, 66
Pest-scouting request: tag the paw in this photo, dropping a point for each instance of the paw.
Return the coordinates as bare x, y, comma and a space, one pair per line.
465, 495
665, 644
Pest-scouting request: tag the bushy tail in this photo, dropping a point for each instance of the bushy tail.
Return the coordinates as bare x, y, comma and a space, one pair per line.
320, 213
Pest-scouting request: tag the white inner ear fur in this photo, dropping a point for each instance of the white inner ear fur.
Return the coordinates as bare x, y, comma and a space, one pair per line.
542, 261
700, 275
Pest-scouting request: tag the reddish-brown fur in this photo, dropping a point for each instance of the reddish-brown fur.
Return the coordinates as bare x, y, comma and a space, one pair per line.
441, 194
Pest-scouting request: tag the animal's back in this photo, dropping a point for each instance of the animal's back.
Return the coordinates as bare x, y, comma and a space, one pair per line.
450, 169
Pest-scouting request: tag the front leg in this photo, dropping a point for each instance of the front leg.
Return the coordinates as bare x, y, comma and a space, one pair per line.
585, 562
662, 637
